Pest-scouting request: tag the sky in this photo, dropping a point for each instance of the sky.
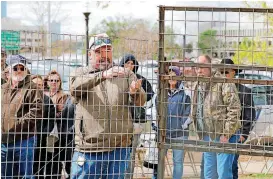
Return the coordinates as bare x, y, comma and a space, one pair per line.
74, 22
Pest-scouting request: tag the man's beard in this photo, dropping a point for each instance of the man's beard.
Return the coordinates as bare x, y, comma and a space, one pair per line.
18, 77
103, 65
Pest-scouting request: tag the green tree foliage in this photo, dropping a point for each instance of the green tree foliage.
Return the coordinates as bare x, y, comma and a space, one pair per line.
254, 52
257, 51
207, 41
137, 36
267, 17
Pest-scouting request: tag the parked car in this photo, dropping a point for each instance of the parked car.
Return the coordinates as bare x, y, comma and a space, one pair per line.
263, 100
255, 75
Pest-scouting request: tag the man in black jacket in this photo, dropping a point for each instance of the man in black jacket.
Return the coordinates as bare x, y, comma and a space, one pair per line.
129, 61
138, 113
248, 113
43, 128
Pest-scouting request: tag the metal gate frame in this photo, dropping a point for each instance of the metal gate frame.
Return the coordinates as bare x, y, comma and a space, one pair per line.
195, 145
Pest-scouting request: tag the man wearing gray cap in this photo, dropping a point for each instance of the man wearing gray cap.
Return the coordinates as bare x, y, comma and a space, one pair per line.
21, 107
103, 122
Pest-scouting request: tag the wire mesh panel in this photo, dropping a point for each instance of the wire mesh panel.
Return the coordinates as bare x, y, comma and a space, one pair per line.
64, 119
219, 102
117, 115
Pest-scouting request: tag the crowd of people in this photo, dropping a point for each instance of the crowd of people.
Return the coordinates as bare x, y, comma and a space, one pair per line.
90, 132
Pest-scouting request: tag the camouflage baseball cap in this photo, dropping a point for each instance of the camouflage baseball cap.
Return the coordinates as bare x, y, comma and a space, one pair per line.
99, 40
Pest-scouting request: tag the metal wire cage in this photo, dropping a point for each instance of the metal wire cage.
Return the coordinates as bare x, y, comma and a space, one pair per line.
217, 33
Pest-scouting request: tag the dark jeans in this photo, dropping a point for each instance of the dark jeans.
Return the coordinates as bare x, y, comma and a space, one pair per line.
17, 159
62, 154
40, 157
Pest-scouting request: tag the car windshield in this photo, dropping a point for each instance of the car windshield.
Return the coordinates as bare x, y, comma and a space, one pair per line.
253, 76
263, 95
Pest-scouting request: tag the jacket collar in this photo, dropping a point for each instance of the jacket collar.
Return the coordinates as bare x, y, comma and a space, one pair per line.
180, 88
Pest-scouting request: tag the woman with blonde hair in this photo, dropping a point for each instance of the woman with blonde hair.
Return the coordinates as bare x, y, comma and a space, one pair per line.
64, 123
54, 82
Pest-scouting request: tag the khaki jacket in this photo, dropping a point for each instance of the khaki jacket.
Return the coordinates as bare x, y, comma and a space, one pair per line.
222, 109
103, 120
20, 108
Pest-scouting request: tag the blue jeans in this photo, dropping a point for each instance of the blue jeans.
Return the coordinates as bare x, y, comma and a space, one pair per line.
235, 164
218, 165
110, 165
235, 167
178, 161
17, 159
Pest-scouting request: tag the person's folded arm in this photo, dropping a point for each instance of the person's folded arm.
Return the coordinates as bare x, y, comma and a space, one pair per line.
33, 104
81, 83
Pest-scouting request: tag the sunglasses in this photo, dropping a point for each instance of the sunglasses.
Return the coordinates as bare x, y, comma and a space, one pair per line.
225, 72
17, 68
56, 81
100, 41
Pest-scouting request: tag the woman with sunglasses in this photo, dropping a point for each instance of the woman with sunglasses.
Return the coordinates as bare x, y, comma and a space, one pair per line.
178, 111
64, 122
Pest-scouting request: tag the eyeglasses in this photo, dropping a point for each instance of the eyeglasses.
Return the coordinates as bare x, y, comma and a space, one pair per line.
225, 72
100, 41
17, 68
56, 81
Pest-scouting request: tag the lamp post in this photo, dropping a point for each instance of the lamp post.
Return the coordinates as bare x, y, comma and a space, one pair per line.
86, 14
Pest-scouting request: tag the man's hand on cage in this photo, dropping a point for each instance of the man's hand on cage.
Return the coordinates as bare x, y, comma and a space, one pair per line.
135, 86
242, 139
223, 139
114, 72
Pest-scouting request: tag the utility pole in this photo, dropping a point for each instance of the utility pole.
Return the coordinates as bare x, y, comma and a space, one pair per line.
184, 46
48, 29
219, 33
86, 15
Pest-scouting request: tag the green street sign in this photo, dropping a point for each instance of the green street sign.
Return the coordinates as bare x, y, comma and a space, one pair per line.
10, 40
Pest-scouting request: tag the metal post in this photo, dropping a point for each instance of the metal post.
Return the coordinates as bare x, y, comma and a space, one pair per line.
161, 96
86, 14
184, 46
49, 30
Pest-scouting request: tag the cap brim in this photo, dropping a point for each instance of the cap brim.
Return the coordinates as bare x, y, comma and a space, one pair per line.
13, 65
99, 46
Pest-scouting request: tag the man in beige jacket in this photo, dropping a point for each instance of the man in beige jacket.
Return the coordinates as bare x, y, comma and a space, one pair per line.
216, 111
103, 122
